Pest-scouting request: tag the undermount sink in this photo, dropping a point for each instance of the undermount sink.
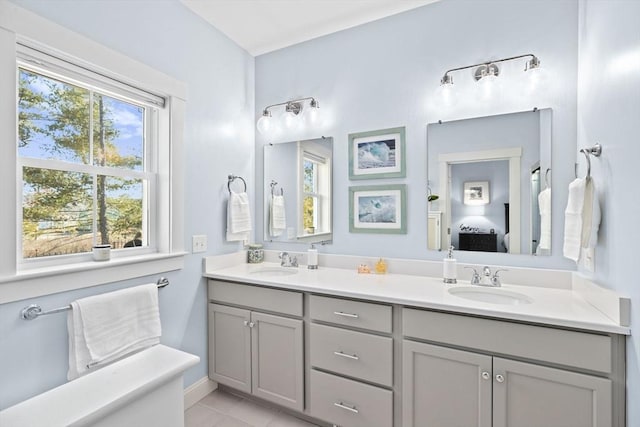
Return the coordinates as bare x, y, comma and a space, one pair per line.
275, 271
490, 295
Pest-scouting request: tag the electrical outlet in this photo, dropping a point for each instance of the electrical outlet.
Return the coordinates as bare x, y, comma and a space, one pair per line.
291, 233
199, 243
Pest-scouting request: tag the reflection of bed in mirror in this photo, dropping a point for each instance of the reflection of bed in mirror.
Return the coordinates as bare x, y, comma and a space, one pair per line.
482, 170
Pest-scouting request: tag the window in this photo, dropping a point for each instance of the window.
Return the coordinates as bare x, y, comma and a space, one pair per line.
313, 212
84, 154
92, 152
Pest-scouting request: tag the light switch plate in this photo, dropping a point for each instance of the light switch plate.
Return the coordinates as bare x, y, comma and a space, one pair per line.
199, 243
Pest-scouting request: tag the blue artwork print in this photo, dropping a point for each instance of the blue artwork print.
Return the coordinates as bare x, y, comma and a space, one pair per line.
377, 154
377, 209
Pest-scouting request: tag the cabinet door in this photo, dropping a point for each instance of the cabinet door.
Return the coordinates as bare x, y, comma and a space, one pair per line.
526, 395
277, 359
230, 346
443, 387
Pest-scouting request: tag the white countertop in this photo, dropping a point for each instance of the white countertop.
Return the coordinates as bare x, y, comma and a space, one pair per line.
557, 307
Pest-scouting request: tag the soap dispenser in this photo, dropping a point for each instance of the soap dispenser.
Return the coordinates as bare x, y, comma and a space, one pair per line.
449, 268
312, 258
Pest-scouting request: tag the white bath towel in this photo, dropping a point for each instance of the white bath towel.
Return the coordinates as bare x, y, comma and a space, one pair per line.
277, 216
107, 327
238, 217
581, 218
544, 204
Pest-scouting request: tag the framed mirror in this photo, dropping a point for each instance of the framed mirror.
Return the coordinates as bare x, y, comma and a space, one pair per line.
489, 186
298, 191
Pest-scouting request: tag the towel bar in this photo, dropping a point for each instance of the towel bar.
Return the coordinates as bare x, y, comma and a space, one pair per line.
32, 311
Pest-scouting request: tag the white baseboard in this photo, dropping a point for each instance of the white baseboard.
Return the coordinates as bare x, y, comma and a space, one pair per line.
197, 391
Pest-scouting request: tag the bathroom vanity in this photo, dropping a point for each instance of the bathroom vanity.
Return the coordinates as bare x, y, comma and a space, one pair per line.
403, 350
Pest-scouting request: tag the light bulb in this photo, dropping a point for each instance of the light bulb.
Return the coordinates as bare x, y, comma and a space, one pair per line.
290, 121
448, 94
537, 77
488, 87
265, 124
312, 116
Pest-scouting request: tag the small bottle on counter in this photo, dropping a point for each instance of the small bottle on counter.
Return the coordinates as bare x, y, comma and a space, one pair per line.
312, 258
381, 266
449, 268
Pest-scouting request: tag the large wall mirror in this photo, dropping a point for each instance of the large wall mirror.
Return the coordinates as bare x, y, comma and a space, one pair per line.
298, 191
489, 183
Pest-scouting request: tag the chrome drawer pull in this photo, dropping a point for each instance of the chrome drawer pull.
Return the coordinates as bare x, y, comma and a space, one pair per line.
348, 408
348, 356
340, 313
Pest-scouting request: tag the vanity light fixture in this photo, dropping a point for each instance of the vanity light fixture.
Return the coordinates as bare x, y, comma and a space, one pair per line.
295, 112
489, 71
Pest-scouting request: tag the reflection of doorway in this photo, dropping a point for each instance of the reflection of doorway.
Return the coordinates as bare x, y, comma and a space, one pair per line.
513, 157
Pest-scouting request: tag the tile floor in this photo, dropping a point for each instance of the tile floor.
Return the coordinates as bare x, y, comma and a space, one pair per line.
221, 409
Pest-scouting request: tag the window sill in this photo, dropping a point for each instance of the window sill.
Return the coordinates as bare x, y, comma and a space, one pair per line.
51, 280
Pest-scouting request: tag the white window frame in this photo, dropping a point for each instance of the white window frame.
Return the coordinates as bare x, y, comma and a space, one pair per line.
19, 27
322, 186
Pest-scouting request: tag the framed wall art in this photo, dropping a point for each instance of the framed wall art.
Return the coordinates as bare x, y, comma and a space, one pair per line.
378, 209
377, 154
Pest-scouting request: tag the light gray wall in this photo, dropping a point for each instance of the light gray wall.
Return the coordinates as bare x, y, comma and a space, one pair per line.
487, 216
384, 74
219, 140
609, 112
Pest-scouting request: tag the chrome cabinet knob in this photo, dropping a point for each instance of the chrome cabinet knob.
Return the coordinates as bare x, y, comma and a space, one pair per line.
500, 378
246, 323
486, 375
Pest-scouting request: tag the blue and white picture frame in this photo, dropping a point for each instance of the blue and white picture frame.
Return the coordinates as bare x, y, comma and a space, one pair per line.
377, 154
378, 209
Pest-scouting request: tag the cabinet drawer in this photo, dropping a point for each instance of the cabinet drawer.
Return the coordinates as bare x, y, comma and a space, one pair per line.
349, 403
275, 300
356, 354
570, 348
365, 315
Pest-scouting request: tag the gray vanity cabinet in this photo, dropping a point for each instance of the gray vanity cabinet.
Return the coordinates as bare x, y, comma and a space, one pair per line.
253, 351
450, 387
230, 346
526, 395
445, 387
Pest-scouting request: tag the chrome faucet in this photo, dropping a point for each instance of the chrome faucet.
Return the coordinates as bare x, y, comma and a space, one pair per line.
287, 260
487, 279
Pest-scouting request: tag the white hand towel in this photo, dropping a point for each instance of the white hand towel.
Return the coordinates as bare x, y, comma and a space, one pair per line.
590, 216
544, 204
107, 327
573, 219
238, 217
277, 216
582, 218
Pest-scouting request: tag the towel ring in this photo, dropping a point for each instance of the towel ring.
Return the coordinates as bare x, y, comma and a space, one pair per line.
595, 151
233, 178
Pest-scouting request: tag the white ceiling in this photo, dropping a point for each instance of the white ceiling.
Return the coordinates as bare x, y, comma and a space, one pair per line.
261, 26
